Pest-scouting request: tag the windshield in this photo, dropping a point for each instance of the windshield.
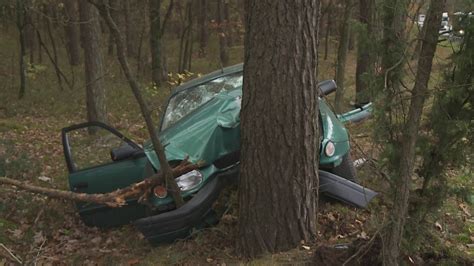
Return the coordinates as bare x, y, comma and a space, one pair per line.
188, 100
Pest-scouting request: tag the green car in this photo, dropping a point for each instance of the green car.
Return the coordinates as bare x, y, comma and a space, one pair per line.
201, 122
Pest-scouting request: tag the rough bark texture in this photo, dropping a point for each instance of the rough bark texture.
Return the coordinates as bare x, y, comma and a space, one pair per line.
155, 41
363, 53
72, 32
342, 55
166, 170
90, 33
279, 120
419, 92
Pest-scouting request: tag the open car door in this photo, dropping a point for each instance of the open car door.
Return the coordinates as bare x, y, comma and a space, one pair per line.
101, 160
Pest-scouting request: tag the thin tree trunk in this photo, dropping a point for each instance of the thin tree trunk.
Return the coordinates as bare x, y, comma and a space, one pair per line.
223, 45
188, 39
363, 53
50, 13
279, 178
342, 56
72, 32
95, 91
166, 170
20, 22
203, 28
155, 41
409, 139
328, 30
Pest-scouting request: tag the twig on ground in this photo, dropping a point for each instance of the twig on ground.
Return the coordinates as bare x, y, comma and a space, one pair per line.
11, 253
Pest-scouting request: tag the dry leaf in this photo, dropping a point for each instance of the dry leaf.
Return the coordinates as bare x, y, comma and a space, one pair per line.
438, 226
464, 208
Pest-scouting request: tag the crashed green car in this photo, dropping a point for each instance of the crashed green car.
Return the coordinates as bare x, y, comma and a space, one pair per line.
201, 122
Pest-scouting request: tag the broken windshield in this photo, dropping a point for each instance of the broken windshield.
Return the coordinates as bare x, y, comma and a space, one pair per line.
188, 100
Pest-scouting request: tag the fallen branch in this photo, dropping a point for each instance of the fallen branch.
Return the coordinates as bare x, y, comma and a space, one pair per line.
114, 199
11, 253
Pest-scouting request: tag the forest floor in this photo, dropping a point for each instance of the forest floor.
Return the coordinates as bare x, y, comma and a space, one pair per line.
36, 229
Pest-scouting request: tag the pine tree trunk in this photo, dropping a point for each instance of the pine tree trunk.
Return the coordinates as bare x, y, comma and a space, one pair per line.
72, 32
342, 55
407, 161
90, 34
279, 120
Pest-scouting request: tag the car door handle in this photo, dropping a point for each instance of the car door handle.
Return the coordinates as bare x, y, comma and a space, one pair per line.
80, 186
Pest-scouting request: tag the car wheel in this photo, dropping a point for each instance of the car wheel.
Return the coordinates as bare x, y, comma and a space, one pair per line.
346, 169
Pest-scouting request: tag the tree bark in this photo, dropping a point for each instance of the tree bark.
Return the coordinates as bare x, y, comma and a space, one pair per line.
279, 126
72, 32
95, 91
363, 53
410, 134
223, 45
342, 55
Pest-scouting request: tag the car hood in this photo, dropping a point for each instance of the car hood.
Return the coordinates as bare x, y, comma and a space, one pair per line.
205, 135
213, 130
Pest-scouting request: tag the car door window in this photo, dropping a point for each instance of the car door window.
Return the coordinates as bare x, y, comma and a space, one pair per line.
95, 145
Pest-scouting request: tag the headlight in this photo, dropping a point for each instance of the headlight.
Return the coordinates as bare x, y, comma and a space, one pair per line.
189, 180
461, 32
330, 149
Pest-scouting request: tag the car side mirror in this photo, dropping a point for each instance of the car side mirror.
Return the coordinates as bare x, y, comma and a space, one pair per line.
327, 87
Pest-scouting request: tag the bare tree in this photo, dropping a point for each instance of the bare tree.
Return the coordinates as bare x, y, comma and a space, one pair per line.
419, 94
279, 126
90, 34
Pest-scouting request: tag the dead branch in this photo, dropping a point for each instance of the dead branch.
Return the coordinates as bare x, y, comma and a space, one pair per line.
114, 199
104, 11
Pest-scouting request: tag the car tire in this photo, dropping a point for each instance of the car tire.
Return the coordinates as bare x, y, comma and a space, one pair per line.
346, 169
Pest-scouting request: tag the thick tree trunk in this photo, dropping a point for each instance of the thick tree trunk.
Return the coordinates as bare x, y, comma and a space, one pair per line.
223, 45
279, 120
95, 91
203, 28
407, 161
155, 41
72, 32
342, 55
363, 54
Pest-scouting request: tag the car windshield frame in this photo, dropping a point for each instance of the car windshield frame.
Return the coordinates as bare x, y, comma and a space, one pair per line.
213, 86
